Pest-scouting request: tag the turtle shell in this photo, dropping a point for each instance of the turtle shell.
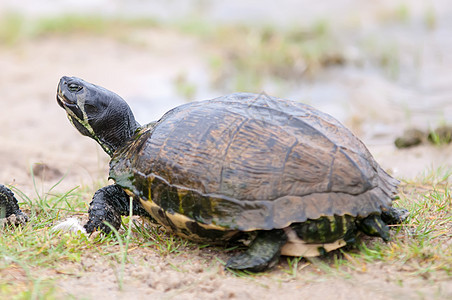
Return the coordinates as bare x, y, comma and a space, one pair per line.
247, 162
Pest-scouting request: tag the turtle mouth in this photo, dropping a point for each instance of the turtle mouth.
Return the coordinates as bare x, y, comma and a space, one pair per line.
62, 99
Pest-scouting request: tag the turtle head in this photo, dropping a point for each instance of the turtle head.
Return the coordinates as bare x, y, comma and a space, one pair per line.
97, 112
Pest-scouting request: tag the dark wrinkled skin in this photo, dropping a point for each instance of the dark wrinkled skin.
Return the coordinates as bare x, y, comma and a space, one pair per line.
97, 104
108, 205
242, 162
263, 252
10, 212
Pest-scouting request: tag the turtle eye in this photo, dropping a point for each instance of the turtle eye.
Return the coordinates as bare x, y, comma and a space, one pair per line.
73, 87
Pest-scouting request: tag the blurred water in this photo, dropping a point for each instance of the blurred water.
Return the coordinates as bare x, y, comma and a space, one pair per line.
280, 13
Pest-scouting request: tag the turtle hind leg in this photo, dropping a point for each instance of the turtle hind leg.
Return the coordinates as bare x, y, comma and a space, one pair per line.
262, 254
9, 208
373, 225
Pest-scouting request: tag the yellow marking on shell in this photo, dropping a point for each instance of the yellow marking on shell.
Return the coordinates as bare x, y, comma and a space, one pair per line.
294, 246
181, 194
179, 220
297, 247
332, 223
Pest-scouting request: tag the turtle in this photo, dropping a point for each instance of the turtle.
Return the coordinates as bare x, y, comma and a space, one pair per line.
10, 213
282, 175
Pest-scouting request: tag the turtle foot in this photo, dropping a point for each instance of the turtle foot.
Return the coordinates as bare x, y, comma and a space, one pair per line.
10, 213
103, 209
262, 254
108, 205
14, 220
247, 262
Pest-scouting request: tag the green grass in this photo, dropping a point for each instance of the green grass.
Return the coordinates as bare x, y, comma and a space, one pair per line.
430, 18
421, 245
146, 234
184, 87
440, 136
35, 250
245, 57
41, 256
11, 28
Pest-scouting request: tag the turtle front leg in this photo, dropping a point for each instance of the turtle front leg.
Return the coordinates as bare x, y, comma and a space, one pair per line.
262, 254
108, 205
10, 212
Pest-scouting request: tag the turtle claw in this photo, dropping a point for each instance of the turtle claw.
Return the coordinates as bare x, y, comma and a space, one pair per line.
10, 212
262, 254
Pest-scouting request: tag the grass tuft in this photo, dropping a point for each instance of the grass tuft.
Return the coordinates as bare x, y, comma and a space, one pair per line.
14, 27
251, 55
422, 244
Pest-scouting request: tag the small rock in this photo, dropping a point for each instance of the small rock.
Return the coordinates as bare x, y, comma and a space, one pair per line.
45, 171
413, 137
410, 138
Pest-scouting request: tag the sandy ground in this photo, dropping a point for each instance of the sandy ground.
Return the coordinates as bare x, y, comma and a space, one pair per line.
35, 134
